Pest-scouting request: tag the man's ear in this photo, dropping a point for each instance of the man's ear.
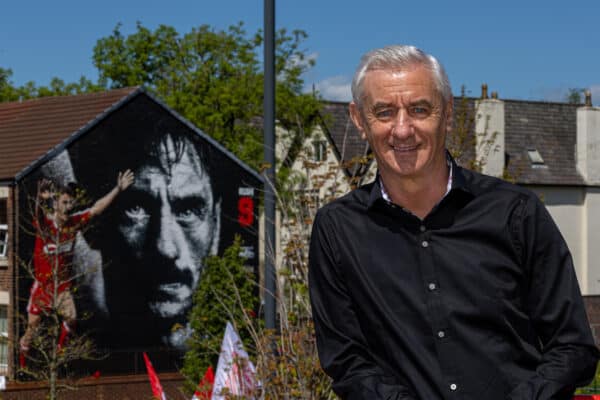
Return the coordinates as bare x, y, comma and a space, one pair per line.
357, 119
214, 248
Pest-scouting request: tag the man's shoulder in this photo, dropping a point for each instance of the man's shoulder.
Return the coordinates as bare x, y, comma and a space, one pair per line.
357, 199
480, 184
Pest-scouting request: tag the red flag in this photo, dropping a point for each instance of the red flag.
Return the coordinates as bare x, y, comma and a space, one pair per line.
204, 391
157, 390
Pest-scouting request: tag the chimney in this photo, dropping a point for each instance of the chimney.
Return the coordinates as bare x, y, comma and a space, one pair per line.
588, 141
489, 130
484, 94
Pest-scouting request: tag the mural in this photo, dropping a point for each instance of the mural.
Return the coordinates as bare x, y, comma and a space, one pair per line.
159, 198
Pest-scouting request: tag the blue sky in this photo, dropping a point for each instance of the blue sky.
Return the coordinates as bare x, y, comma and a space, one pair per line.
522, 49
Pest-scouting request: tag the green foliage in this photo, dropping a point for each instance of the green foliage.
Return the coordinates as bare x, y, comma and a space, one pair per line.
594, 386
57, 87
227, 292
214, 79
574, 95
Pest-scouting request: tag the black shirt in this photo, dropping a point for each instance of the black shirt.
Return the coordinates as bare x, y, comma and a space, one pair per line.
479, 300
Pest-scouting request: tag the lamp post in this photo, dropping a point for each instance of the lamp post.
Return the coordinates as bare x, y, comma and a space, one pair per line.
269, 157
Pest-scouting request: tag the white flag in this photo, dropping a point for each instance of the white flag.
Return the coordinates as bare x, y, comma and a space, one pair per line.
235, 372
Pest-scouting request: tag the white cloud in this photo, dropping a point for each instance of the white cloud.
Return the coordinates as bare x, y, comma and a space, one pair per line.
336, 88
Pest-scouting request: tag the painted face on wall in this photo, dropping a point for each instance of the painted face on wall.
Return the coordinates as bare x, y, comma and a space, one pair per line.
170, 222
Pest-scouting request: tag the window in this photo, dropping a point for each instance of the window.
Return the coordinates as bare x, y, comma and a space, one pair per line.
319, 150
3, 240
536, 159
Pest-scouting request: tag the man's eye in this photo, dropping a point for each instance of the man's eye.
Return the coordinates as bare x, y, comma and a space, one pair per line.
187, 214
189, 210
137, 213
419, 111
384, 114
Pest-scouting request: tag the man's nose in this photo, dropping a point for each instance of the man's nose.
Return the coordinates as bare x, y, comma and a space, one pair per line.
167, 235
402, 127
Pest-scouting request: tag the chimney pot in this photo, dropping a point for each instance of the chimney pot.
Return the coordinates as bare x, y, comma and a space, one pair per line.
495, 95
588, 98
484, 94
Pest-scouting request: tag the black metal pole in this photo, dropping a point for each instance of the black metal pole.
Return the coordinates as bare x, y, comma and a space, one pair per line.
269, 147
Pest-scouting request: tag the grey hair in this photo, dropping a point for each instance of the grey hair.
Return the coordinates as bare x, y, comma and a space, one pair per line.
400, 57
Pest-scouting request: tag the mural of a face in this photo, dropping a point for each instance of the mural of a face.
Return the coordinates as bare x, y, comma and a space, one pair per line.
169, 223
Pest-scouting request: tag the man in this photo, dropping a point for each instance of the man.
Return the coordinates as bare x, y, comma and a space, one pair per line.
165, 226
435, 282
56, 229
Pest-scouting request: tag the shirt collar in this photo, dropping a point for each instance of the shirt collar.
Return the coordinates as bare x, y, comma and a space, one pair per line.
386, 196
456, 180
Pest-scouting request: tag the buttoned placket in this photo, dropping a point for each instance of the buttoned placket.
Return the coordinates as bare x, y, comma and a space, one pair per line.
436, 310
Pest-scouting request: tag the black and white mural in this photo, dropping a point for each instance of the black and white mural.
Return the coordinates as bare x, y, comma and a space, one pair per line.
138, 261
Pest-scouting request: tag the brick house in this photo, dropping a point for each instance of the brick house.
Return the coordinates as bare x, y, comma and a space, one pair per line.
190, 198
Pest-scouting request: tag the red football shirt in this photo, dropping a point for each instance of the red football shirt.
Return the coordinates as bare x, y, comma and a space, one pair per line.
54, 248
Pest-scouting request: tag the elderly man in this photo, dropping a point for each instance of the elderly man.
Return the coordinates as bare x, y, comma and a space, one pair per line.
435, 282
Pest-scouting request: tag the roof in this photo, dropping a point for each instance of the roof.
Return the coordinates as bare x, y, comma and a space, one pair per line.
550, 128
30, 129
343, 134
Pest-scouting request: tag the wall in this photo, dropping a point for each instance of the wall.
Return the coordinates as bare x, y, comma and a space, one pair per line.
591, 229
133, 387
139, 262
566, 206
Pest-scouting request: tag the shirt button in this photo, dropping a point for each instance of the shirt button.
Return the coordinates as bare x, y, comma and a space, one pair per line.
441, 334
453, 386
431, 286
424, 243
422, 228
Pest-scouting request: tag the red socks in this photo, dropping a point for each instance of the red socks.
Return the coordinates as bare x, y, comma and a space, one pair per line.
64, 332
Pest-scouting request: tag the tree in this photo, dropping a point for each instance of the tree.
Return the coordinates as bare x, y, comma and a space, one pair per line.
49, 344
57, 87
574, 95
227, 292
215, 80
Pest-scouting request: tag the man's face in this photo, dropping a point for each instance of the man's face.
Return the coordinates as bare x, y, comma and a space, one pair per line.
64, 204
403, 117
170, 223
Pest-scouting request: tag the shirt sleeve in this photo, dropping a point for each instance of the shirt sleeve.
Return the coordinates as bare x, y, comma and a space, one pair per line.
81, 218
343, 350
556, 310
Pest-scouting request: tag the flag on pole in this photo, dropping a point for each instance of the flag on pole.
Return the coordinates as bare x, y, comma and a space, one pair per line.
235, 372
157, 390
204, 391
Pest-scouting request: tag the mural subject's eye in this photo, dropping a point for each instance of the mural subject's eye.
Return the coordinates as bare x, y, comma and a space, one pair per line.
137, 214
190, 209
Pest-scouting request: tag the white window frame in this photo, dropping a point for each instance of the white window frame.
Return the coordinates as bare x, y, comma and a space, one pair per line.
319, 150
